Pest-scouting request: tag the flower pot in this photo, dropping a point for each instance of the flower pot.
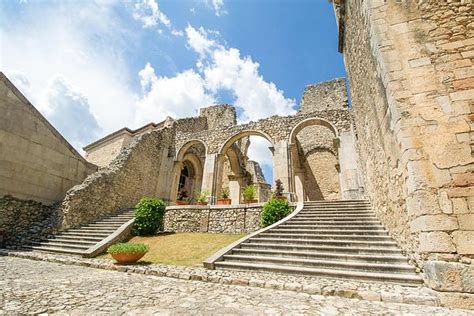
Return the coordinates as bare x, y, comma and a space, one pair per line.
250, 201
281, 198
224, 201
201, 203
127, 257
182, 202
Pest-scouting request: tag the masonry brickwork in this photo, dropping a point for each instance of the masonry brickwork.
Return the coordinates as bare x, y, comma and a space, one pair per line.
409, 66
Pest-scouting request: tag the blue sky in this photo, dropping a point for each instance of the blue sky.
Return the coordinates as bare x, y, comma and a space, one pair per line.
92, 67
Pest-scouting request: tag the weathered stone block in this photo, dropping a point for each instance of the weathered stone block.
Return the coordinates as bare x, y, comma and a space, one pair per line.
464, 241
422, 203
449, 276
434, 223
436, 242
460, 206
466, 221
445, 203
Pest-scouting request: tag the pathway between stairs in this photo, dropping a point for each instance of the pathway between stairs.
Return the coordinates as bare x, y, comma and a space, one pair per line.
43, 287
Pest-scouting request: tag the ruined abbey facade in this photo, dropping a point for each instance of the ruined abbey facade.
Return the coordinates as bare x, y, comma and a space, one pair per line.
406, 143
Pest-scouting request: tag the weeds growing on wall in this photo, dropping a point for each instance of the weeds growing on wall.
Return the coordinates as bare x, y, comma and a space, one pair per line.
149, 214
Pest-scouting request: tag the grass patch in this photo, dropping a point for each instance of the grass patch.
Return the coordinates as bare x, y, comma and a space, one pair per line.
182, 249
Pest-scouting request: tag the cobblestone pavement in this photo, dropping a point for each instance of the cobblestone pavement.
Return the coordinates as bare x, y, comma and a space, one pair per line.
29, 286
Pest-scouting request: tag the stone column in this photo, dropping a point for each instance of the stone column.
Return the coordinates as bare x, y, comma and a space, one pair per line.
281, 164
235, 188
348, 175
299, 185
176, 171
209, 176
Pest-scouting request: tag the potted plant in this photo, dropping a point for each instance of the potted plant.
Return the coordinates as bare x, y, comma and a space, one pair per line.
182, 198
278, 194
224, 197
127, 253
202, 198
249, 194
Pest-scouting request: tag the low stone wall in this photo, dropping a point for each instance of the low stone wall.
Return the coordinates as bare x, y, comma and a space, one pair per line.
22, 220
213, 219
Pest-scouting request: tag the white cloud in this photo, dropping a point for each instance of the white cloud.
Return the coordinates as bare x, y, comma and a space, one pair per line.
178, 96
149, 13
177, 32
224, 68
199, 41
217, 6
69, 112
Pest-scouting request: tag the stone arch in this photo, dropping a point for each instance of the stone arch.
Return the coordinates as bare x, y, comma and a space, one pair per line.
307, 164
231, 140
182, 151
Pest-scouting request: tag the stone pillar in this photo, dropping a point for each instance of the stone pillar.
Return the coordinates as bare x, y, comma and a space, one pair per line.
178, 165
299, 185
235, 188
209, 176
348, 175
281, 164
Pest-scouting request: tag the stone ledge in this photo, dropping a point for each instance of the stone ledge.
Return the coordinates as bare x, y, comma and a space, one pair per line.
369, 291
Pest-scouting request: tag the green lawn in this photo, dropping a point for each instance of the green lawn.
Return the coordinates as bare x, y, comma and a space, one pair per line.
183, 249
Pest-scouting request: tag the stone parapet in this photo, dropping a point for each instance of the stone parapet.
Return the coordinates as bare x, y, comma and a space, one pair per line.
213, 219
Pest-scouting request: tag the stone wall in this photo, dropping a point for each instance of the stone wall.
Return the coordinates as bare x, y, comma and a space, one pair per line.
36, 162
135, 173
411, 80
324, 95
22, 221
106, 152
213, 219
220, 115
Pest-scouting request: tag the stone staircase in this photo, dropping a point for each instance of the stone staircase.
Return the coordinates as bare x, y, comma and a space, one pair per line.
341, 239
77, 241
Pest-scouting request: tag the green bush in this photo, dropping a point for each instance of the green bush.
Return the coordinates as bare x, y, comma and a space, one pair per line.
148, 216
273, 211
128, 247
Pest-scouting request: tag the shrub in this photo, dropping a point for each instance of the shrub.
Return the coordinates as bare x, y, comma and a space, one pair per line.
249, 192
128, 247
202, 196
148, 216
273, 211
278, 188
225, 193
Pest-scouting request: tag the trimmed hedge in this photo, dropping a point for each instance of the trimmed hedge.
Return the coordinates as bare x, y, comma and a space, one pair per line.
149, 214
273, 211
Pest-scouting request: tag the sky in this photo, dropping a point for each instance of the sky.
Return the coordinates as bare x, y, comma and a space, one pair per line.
92, 67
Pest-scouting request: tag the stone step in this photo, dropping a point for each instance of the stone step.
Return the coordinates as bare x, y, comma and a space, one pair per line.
339, 202
323, 236
93, 230
333, 221
73, 241
50, 243
55, 249
329, 227
103, 225
405, 279
334, 205
327, 264
325, 214
322, 255
78, 238
322, 248
330, 231
335, 218
112, 221
320, 242
87, 235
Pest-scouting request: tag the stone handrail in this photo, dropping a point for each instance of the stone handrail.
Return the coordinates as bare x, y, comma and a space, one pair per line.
209, 262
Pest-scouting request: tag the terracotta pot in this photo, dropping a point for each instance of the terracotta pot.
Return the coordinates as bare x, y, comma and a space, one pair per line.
224, 201
201, 203
182, 202
250, 201
127, 257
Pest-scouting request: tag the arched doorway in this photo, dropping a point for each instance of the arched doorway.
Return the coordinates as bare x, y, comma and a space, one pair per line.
188, 172
314, 161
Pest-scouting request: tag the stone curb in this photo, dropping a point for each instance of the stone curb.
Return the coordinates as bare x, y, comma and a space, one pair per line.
308, 285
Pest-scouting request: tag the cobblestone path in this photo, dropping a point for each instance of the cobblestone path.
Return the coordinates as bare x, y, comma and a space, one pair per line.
28, 286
